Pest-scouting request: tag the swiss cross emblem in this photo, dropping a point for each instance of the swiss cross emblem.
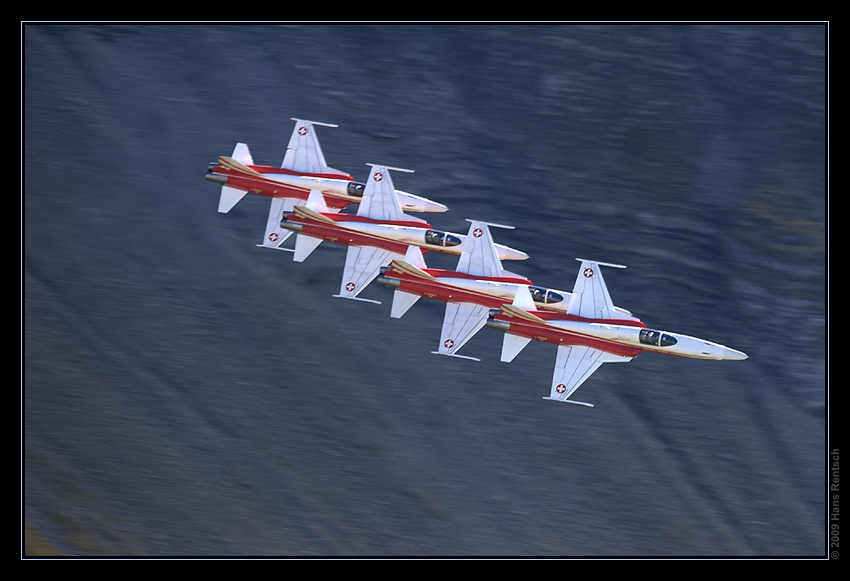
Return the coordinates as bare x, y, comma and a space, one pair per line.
477, 232
349, 287
448, 343
588, 272
378, 176
273, 236
561, 388
302, 131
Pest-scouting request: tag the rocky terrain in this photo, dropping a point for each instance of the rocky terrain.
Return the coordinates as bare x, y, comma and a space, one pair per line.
186, 393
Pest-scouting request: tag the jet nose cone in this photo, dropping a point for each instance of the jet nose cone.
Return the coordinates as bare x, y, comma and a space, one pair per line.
733, 354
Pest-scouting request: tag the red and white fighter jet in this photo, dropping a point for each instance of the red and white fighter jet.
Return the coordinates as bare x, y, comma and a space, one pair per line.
303, 170
592, 332
478, 285
379, 233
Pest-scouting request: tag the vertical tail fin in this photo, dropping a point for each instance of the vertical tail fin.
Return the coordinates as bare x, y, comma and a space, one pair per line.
231, 196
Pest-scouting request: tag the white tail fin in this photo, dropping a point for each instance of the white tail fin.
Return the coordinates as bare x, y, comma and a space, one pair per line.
305, 245
316, 201
231, 196
523, 300
414, 256
513, 344
242, 154
402, 301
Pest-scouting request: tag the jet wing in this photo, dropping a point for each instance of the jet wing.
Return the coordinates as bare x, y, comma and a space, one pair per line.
362, 265
275, 235
380, 201
574, 364
590, 293
304, 154
460, 323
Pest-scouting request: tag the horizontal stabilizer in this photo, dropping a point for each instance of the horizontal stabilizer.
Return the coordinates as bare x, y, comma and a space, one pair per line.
229, 198
512, 345
402, 302
304, 246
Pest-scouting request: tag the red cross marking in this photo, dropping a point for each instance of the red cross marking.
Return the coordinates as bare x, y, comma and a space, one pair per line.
561, 388
477, 232
588, 272
273, 236
349, 287
448, 343
302, 131
378, 176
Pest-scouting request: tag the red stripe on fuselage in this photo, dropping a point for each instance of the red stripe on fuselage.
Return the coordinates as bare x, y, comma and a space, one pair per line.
449, 294
443, 273
273, 189
349, 237
557, 336
435, 289
365, 220
289, 172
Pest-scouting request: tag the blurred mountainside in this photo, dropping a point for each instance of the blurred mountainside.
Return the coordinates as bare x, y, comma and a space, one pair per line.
185, 393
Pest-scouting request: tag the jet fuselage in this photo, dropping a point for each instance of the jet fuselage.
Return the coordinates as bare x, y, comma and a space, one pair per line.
339, 189
489, 291
626, 337
392, 235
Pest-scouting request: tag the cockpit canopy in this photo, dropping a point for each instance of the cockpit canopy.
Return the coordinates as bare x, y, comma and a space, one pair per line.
438, 238
656, 338
355, 189
544, 295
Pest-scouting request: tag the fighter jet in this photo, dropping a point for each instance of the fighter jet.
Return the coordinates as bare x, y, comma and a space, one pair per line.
303, 169
379, 233
478, 284
590, 333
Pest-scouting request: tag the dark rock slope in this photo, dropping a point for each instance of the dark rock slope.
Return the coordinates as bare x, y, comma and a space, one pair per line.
185, 393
